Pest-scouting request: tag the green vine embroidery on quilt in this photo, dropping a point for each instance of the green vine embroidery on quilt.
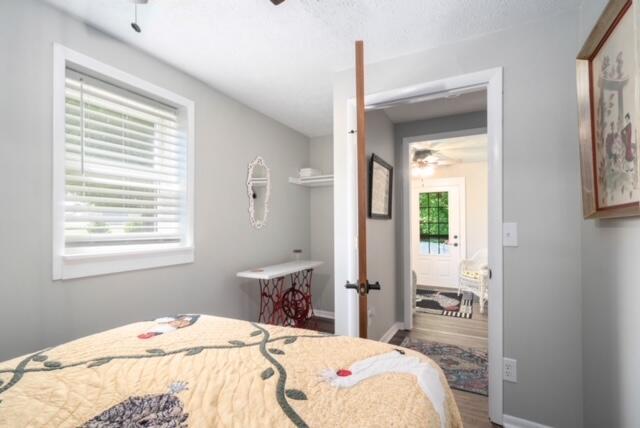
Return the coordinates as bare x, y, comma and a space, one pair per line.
281, 392
295, 394
267, 373
20, 370
194, 351
99, 362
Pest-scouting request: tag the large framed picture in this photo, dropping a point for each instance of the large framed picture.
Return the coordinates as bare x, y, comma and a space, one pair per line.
607, 78
380, 188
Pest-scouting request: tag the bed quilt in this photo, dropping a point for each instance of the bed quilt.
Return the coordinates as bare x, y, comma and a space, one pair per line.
204, 371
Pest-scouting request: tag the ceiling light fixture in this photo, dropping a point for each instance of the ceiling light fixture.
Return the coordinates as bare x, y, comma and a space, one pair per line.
422, 171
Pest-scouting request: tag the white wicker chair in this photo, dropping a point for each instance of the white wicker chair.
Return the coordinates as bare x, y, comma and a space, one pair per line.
473, 276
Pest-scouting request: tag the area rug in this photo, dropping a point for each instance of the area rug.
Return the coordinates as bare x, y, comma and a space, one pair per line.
465, 368
445, 303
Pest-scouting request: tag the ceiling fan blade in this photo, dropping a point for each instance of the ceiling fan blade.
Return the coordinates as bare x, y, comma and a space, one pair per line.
458, 152
444, 159
448, 145
277, 2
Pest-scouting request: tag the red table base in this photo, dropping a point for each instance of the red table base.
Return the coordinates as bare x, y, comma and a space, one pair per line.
270, 301
286, 307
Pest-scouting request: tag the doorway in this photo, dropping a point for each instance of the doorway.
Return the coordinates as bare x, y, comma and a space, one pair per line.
346, 307
448, 250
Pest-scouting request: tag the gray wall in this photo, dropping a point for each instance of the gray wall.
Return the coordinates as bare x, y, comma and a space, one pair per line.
610, 296
381, 235
321, 200
542, 303
454, 123
37, 312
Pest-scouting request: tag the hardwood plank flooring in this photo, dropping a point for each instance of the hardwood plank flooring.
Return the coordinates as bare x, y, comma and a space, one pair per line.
474, 333
474, 409
323, 325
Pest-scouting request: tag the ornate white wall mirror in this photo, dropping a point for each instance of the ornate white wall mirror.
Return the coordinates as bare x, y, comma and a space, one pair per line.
259, 192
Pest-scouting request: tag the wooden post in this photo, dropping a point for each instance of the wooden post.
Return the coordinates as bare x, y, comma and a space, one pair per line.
362, 193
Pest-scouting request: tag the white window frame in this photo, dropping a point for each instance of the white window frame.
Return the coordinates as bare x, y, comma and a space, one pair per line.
66, 266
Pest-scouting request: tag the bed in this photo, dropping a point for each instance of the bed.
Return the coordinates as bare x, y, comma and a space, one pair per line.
201, 371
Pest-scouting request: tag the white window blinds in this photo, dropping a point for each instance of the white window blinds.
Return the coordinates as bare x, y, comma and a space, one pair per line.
125, 169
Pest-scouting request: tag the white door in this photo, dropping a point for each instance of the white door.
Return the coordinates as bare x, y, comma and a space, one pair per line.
437, 230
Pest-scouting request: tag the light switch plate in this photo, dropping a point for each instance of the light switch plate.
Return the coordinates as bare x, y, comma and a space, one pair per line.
510, 234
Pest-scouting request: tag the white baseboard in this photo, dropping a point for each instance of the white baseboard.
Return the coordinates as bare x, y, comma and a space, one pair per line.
324, 314
391, 332
509, 421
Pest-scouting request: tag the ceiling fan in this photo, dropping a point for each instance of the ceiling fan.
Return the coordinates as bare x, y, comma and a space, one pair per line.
431, 157
447, 152
134, 24
424, 161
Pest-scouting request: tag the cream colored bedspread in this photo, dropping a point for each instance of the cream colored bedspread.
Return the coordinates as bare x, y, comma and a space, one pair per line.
204, 371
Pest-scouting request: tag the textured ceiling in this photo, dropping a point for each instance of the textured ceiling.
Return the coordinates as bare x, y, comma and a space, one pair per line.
440, 107
280, 60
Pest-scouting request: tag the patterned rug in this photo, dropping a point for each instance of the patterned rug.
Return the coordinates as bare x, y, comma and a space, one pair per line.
444, 303
465, 368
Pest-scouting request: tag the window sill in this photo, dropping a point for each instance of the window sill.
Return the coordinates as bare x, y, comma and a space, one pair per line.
104, 262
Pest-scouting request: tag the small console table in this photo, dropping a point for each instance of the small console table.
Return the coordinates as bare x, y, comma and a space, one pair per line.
282, 305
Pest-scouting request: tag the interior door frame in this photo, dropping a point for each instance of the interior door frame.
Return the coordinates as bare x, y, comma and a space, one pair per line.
406, 206
460, 183
346, 247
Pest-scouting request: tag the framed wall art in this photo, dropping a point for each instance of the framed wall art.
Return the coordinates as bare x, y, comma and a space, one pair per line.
607, 79
380, 188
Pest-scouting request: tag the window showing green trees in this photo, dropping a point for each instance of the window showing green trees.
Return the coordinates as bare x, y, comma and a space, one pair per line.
434, 223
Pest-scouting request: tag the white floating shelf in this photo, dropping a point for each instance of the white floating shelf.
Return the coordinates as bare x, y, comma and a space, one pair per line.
258, 181
315, 181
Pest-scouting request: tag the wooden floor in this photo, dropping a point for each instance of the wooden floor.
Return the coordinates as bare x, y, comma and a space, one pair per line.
324, 325
474, 332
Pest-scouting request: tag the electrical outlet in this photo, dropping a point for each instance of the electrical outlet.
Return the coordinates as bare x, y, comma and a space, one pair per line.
510, 234
510, 370
370, 314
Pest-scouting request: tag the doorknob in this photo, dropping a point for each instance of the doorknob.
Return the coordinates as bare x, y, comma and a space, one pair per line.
363, 287
352, 286
374, 286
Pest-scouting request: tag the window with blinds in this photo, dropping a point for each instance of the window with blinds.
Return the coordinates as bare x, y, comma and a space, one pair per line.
125, 168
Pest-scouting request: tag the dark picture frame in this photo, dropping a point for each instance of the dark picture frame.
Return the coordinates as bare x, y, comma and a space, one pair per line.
380, 188
600, 136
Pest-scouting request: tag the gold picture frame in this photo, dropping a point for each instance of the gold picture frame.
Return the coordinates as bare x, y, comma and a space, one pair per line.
609, 114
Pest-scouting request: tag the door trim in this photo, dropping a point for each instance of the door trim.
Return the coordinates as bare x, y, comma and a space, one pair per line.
458, 182
345, 245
